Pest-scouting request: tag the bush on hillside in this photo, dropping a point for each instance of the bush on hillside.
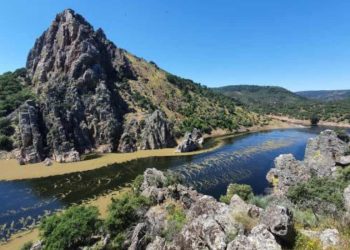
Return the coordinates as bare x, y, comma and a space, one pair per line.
12, 92
242, 190
322, 195
124, 211
71, 229
5, 143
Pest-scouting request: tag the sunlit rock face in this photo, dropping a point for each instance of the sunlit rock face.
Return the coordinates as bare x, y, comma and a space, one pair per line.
324, 155
76, 72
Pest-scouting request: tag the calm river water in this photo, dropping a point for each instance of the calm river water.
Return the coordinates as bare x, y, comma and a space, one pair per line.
242, 159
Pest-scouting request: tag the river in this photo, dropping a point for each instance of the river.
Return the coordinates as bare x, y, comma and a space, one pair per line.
242, 159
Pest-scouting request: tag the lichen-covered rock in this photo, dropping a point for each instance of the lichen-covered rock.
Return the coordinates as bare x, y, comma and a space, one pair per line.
138, 240
191, 142
322, 153
279, 221
259, 239
329, 238
157, 133
157, 244
37, 245
68, 156
344, 160
30, 137
129, 138
287, 172
47, 162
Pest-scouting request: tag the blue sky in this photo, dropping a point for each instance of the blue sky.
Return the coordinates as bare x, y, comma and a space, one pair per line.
299, 44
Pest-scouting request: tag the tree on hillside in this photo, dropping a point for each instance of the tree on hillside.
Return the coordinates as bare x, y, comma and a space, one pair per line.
314, 120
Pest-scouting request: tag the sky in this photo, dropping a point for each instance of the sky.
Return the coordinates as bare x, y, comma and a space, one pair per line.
296, 44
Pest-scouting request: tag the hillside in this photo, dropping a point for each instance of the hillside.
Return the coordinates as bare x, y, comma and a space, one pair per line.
325, 95
80, 93
279, 101
261, 98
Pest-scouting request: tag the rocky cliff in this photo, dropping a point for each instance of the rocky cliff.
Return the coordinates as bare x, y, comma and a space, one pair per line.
75, 72
90, 95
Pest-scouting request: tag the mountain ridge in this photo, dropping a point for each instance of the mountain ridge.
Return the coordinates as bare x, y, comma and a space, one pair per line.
282, 102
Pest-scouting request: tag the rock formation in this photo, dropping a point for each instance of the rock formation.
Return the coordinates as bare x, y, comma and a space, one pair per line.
209, 224
157, 132
191, 142
31, 139
76, 72
324, 154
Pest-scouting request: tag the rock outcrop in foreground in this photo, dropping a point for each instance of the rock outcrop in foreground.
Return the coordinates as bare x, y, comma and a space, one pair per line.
209, 224
324, 155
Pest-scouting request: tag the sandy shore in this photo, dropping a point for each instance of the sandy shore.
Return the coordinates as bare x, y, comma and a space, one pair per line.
307, 122
11, 170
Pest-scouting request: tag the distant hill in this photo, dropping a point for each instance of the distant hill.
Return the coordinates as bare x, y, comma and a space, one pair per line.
325, 95
280, 101
252, 95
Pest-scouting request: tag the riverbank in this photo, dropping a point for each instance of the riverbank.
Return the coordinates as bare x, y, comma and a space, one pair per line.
11, 170
307, 122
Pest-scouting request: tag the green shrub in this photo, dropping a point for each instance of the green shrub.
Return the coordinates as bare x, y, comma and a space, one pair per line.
12, 92
5, 127
5, 143
70, 229
123, 212
314, 120
242, 190
27, 246
305, 218
136, 184
118, 241
260, 200
176, 220
305, 243
319, 194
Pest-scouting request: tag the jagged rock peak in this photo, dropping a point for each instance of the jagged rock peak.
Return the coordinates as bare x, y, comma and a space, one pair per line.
71, 48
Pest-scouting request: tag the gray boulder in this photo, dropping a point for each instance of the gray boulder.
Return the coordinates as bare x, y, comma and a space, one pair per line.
287, 172
47, 162
279, 221
329, 238
259, 239
322, 153
344, 160
66, 157
37, 245
191, 142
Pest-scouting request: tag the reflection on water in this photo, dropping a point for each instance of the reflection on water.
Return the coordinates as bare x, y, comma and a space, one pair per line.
242, 159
